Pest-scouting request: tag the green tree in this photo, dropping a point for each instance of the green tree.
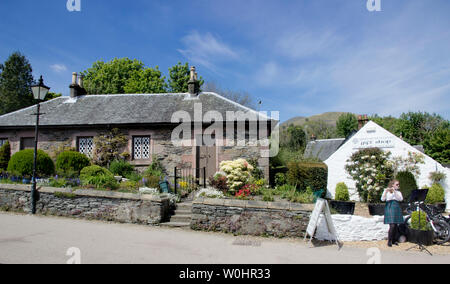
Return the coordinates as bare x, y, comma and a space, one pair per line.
320, 128
146, 81
345, 124
50, 96
295, 138
437, 146
15, 83
122, 75
179, 76
389, 123
415, 127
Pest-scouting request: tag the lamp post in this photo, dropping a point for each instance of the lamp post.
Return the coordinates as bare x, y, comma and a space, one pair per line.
39, 93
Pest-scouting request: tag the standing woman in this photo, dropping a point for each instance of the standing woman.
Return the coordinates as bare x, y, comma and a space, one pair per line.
392, 213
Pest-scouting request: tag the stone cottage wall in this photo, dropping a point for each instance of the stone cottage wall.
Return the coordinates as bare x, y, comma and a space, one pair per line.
279, 219
88, 204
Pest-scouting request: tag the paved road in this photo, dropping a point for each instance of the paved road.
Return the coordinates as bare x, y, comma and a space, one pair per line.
36, 239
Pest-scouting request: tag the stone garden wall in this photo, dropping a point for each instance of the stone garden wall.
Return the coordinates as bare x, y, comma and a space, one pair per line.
88, 204
279, 219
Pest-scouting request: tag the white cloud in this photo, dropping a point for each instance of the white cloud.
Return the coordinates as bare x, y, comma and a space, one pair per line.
206, 49
58, 68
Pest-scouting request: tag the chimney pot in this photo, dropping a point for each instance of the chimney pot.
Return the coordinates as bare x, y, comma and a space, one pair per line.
193, 84
74, 78
80, 81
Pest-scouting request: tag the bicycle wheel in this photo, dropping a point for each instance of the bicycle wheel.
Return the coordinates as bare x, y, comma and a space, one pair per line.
442, 234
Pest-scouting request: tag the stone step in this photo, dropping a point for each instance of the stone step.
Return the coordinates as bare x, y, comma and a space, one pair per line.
176, 224
184, 206
183, 212
181, 218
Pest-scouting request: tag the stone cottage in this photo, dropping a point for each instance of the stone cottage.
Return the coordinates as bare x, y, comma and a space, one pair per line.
172, 127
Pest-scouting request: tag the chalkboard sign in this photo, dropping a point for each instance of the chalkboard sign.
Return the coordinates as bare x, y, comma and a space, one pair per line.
321, 207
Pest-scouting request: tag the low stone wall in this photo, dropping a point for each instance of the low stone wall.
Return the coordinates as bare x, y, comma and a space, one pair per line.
88, 204
279, 219
354, 228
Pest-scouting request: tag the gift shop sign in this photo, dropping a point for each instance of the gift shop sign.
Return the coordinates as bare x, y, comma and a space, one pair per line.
373, 142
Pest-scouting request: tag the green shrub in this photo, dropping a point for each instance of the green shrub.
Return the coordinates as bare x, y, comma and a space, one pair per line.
342, 193
304, 175
423, 225
280, 179
5, 156
121, 168
70, 163
98, 177
436, 194
129, 185
151, 181
407, 183
155, 168
21, 164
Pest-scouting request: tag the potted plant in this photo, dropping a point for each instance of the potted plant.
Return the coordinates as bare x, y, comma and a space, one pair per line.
420, 232
341, 202
436, 198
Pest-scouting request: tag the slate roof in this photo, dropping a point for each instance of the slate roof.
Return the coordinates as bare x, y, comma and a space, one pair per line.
323, 149
122, 109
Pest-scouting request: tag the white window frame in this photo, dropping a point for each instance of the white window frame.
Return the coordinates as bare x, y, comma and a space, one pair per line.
141, 147
86, 147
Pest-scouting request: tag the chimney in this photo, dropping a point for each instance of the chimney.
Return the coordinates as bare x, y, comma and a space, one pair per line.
76, 88
193, 84
362, 120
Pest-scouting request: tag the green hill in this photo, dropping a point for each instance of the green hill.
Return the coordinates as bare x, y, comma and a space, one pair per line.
328, 117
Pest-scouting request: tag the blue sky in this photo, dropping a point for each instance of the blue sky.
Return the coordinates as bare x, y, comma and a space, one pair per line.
300, 57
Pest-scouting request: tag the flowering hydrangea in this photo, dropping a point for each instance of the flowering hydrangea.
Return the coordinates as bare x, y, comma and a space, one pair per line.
372, 171
238, 173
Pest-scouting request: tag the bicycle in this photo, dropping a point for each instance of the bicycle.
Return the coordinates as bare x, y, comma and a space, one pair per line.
439, 223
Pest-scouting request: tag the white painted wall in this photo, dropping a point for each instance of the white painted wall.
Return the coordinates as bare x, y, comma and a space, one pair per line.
353, 228
336, 162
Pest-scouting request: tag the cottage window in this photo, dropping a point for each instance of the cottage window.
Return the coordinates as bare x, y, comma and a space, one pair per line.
141, 147
3, 141
86, 145
27, 143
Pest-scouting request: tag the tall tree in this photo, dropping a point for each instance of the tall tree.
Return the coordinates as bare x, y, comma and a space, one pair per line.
415, 127
146, 81
241, 97
437, 145
320, 128
15, 83
179, 76
111, 77
295, 138
345, 124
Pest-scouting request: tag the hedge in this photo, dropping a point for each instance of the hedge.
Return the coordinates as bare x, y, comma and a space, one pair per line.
407, 183
21, 164
70, 163
304, 175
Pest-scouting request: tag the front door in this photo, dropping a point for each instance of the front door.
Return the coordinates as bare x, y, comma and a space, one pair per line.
206, 158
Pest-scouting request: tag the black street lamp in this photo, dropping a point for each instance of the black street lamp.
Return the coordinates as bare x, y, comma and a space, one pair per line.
39, 93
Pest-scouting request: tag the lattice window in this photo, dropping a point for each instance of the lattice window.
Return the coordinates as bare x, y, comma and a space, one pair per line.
141, 147
3, 141
86, 146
